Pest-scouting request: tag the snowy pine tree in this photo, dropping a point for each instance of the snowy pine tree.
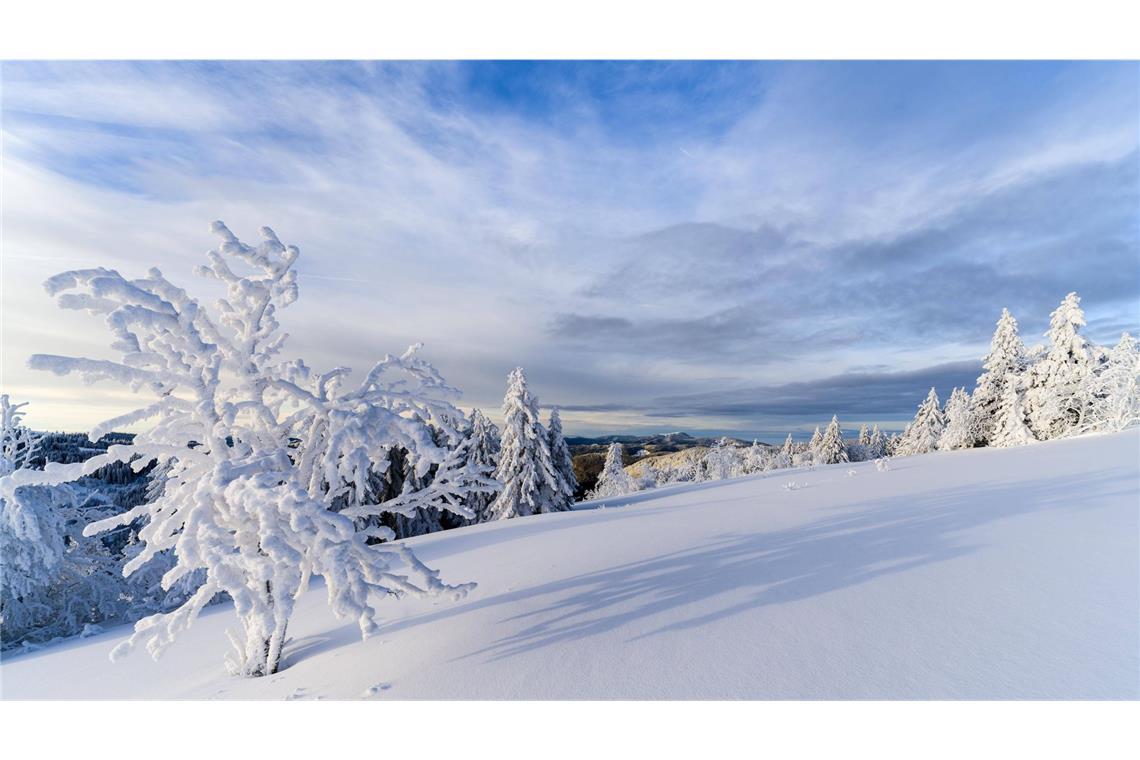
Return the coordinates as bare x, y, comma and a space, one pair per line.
614, 480
1111, 400
1006, 360
563, 461
960, 432
1057, 380
813, 444
1012, 427
482, 452
787, 453
531, 483
269, 463
864, 435
922, 435
831, 448
877, 444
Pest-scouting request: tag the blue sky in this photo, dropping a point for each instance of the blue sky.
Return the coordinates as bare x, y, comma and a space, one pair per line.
714, 247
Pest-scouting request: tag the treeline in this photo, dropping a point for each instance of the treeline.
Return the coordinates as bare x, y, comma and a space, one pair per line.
1067, 387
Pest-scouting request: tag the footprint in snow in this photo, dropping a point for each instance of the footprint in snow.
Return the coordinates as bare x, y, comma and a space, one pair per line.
372, 691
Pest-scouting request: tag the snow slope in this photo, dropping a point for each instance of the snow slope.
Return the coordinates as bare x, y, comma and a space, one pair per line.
1008, 573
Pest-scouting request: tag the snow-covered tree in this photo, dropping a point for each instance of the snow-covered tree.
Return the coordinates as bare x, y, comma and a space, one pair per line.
531, 483
1111, 400
922, 435
31, 527
831, 448
960, 432
864, 435
1006, 361
270, 463
563, 461
722, 461
813, 444
787, 454
57, 582
756, 459
17, 443
1058, 379
482, 452
649, 477
614, 480
877, 445
1012, 427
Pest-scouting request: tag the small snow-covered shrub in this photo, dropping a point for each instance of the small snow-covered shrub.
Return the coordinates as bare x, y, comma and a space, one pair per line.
883, 464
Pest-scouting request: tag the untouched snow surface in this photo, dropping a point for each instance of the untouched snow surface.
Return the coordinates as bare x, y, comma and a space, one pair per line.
1008, 573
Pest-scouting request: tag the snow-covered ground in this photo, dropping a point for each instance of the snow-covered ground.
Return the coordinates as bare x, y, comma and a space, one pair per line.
1008, 573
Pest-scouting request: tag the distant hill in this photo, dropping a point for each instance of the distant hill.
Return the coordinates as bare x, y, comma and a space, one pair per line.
590, 453
657, 443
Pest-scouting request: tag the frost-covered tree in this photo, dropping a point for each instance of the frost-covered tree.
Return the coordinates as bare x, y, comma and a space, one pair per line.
787, 453
483, 453
1005, 362
1012, 427
756, 459
17, 443
864, 435
531, 484
922, 435
722, 461
960, 432
877, 444
831, 448
563, 461
56, 582
1111, 399
270, 463
31, 527
813, 444
1058, 379
614, 480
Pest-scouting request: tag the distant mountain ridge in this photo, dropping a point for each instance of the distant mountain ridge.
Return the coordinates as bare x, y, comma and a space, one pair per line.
657, 442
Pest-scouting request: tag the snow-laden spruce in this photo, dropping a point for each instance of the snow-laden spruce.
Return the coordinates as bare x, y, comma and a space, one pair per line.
269, 462
1004, 363
483, 453
831, 449
877, 446
1111, 400
563, 461
960, 431
787, 453
613, 480
923, 433
531, 483
1012, 425
1052, 399
816, 438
